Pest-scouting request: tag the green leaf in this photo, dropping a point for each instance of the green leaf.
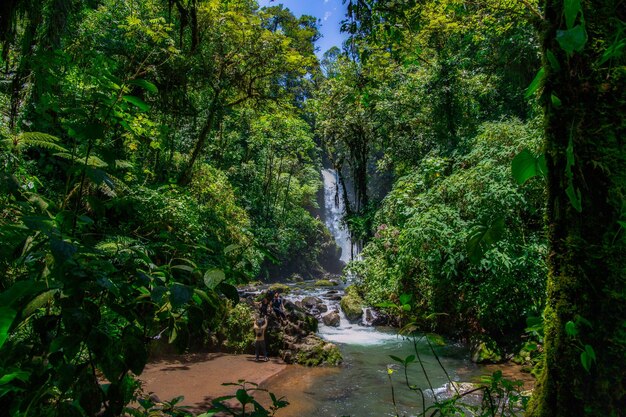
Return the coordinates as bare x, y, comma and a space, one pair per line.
15, 374
405, 298
573, 39
536, 83
616, 49
180, 294
230, 291
571, 9
185, 268
570, 328
7, 315
585, 358
213, 277
136, 101
554, 63
574, 197
397, 359
409, 359
525, 166
556, 102
242, 396
482, 237
146, 85
590, 352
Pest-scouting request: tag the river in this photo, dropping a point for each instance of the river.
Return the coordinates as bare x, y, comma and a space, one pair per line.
361, 386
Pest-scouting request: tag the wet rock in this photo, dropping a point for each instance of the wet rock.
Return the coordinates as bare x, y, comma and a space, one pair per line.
333, 297
331, 319
326, 283
352, 304
311, 302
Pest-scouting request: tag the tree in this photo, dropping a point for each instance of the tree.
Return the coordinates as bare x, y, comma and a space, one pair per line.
584, 104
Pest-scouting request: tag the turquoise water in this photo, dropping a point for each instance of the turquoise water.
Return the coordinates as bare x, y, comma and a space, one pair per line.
361, 387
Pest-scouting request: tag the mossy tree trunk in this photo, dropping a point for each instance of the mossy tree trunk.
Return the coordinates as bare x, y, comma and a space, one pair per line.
585, 114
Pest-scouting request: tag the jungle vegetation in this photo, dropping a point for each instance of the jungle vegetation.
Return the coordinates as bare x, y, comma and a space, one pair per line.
157, 153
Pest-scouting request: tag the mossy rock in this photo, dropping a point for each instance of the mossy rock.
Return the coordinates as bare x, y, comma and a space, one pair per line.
325, 283
352, 304
485, 350
279, 287
321, 353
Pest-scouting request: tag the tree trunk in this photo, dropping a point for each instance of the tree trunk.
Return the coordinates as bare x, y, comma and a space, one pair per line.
202, 138
587, 256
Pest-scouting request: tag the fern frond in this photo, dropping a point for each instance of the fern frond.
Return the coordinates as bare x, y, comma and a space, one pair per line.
120, 163
38, 140
93, 161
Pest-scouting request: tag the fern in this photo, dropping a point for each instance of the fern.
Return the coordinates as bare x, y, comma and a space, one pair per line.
33, 139
93, 160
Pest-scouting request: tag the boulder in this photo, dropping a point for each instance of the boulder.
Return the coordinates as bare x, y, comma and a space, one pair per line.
279, 287
331, 319
326, 283
311, 302
352, 304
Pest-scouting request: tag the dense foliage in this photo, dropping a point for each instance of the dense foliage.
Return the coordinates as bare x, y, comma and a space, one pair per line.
433, 94
153, 155
433, 235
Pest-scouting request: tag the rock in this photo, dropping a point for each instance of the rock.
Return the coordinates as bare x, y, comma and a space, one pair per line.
296, 278
331, 319
333, 297
311, 302
352, 304
331, 292
281, 288
326, 283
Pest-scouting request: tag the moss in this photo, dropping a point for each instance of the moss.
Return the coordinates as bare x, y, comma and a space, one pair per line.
352, 304
321, 354
281, 288
325, 283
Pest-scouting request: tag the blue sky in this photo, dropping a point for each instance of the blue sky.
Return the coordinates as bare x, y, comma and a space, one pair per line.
329, 12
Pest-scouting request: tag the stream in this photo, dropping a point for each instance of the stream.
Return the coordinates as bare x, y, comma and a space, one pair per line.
361, 386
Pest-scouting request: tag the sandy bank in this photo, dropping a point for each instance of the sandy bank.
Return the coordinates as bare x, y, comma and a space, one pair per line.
199, 377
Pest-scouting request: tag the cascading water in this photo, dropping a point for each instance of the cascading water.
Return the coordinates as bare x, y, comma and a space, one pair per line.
361, 386
334, 208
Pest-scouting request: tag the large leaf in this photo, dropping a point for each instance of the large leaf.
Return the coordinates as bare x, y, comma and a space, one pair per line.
536, 83
136, 101
146, 85
213, 277
572, 40
571, 9
230, 291
7, 315
482, 237
525, 165
180, 294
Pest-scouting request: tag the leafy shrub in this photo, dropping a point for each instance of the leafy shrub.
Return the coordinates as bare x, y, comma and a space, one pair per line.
237, 329
463, 237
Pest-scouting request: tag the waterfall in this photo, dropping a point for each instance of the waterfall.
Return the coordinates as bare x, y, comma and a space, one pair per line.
334, 209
